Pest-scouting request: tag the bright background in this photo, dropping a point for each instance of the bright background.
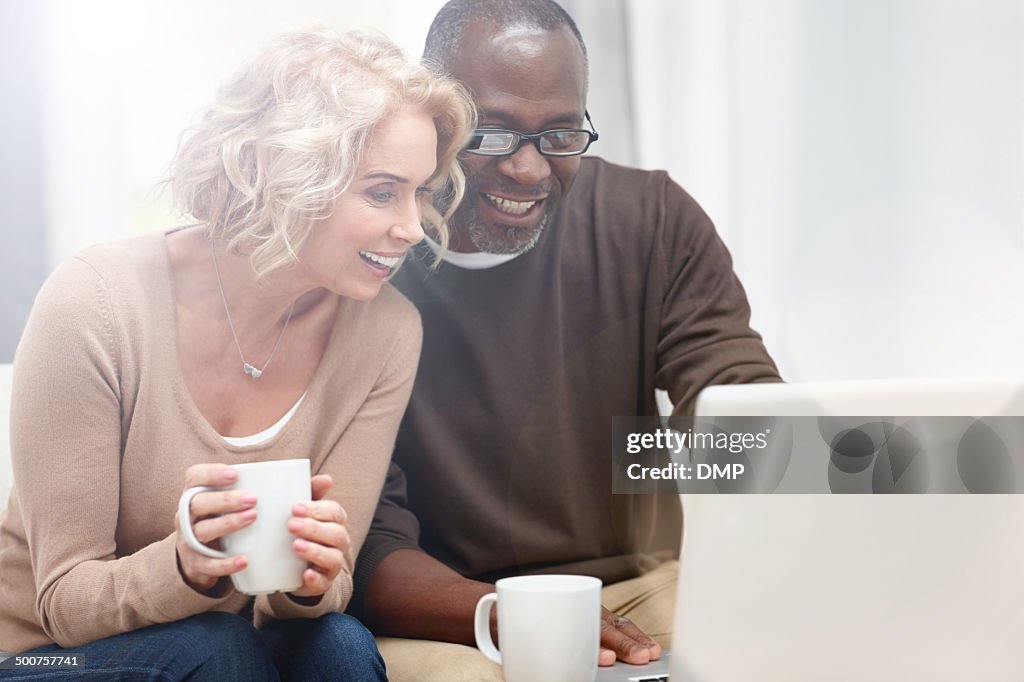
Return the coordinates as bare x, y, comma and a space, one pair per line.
863, 159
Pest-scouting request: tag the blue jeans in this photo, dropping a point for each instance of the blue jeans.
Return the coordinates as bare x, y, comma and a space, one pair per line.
221, 647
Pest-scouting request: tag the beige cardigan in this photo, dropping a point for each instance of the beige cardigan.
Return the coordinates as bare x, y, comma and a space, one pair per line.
103, 428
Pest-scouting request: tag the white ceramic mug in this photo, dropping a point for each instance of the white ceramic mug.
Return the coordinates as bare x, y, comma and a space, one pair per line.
549, 627
273, 564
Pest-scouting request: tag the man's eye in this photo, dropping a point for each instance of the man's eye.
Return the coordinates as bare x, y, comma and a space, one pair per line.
493, 142
562, 138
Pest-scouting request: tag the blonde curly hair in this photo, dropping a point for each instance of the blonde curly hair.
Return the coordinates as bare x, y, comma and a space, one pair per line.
284, 137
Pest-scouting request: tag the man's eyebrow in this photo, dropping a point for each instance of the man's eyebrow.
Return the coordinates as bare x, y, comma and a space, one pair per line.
384, 175
568, 119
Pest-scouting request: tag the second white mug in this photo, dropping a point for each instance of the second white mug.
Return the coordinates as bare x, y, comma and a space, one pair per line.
273, 564
549, 627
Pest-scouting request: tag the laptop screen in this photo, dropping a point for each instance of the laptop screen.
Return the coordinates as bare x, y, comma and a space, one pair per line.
853, 587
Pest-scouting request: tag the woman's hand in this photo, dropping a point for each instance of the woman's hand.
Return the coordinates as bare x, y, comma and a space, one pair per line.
214, 514
320, 538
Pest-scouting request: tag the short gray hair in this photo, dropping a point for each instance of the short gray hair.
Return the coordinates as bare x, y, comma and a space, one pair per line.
444, 39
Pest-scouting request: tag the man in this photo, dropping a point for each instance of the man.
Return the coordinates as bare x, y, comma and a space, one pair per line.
573, 289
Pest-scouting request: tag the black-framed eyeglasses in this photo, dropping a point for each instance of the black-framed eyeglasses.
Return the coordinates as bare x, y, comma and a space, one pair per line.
558, 142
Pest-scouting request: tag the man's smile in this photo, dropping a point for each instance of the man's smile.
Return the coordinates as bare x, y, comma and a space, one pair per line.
509, 205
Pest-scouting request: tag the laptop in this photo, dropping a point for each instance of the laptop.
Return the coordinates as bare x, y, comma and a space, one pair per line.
853, 588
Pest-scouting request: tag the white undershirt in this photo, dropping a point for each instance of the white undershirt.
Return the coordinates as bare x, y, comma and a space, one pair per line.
266, 434
472, 261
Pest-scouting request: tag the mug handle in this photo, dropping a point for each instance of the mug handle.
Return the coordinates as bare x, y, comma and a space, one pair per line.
185, 523
482, 627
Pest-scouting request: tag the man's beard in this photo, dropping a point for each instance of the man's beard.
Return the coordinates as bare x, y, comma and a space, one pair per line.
512, 240
491, 234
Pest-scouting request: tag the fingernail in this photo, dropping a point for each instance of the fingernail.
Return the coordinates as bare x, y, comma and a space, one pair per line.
300, 508
228, 474
249, 514
248, 498
294, 525
241, 561
301, 545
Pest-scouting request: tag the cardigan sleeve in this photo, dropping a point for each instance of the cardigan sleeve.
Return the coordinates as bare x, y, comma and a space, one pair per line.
66, 447
359, 461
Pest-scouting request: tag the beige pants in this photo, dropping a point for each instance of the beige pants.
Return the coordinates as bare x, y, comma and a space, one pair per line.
649, 601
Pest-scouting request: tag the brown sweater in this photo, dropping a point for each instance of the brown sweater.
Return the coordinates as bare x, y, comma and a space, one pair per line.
103, 428
503, 462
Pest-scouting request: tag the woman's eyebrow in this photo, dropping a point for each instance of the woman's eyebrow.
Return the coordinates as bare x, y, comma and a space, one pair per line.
384, 175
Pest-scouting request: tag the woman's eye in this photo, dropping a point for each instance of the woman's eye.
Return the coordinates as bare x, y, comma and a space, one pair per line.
423, 192
381, 196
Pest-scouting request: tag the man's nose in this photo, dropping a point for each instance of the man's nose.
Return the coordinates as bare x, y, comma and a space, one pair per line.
527, 166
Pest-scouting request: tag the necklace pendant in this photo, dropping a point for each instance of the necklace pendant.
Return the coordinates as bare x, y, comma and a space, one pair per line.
252, 371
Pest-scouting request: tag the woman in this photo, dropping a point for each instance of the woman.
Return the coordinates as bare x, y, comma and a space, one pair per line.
267, 331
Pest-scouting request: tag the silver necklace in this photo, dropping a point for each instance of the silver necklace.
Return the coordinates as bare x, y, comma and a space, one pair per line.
252, 371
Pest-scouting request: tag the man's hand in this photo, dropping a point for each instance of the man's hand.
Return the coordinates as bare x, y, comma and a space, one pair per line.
622, 640
413, 595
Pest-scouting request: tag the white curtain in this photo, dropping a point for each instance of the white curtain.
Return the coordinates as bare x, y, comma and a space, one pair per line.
122, 80
863, 159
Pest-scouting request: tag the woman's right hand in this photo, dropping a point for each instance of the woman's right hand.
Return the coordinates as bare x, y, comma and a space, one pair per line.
214, 514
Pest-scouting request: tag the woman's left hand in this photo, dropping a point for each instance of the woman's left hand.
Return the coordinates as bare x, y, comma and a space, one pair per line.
320, 538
